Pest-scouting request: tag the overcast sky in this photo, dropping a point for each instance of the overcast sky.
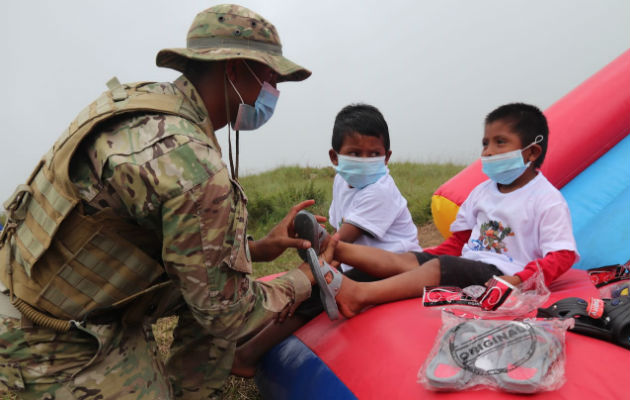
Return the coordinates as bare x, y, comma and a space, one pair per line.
434, 68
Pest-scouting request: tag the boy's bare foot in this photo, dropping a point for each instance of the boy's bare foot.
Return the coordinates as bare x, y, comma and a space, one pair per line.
350, 298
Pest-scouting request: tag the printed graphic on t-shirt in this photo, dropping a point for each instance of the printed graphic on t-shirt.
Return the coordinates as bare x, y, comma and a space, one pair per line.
491, 235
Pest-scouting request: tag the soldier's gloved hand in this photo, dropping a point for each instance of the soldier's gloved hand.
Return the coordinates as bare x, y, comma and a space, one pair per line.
282, 236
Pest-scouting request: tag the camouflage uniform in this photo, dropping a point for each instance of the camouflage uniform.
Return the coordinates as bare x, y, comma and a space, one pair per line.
164, 173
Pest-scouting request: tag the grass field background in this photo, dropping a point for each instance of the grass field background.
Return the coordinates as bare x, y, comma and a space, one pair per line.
271, 195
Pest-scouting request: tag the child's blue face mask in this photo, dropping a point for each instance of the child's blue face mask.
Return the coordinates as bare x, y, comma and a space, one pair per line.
505, 168
360, 171
250, 118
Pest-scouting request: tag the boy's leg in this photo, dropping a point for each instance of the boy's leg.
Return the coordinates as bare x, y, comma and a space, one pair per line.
355, 296
375, 262
442, 270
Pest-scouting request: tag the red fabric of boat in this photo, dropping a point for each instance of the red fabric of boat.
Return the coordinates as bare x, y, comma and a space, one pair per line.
378, 353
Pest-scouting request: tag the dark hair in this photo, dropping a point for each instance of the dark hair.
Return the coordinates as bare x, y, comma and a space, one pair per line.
363, 119
527, 121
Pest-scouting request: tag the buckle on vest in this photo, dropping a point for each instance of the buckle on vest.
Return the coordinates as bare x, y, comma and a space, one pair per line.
16, 204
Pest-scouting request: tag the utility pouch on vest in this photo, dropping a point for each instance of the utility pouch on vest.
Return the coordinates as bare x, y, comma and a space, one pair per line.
37, 209
88, 267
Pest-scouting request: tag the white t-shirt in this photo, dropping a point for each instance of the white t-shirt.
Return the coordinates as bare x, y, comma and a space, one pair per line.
378, 209
511, 229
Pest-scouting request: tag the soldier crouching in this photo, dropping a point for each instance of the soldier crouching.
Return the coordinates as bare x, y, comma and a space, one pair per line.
132, 215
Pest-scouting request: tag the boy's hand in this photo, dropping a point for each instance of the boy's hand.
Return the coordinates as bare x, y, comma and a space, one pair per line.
282, 236
328, 254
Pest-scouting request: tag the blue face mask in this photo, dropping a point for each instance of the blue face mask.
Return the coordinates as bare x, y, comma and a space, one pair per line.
360, 171
505, 168
250, 118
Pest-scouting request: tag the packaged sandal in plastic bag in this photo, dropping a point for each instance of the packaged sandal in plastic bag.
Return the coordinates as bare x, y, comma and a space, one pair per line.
498, 299
525, 356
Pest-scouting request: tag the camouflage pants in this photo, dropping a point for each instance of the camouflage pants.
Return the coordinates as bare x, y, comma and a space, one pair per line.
100, 362
39, 363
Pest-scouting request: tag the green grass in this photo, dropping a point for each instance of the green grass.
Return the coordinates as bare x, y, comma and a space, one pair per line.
271, 195
417, 182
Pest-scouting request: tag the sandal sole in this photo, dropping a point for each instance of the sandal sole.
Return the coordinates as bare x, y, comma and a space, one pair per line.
326, 294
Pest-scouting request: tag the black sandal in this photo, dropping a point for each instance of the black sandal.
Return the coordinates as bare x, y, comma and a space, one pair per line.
306, 227
612, 325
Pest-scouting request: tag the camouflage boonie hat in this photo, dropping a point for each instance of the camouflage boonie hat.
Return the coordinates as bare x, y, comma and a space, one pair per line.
230, 31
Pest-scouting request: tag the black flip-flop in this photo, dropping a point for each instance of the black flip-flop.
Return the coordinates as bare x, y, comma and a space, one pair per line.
307, 227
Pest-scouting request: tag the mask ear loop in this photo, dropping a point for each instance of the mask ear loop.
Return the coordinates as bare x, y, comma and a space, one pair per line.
537, 140
235, 171
252, 71
233, 87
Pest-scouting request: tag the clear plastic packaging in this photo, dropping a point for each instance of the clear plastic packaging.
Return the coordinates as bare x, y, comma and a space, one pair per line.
526, 356
498, 300
612, 280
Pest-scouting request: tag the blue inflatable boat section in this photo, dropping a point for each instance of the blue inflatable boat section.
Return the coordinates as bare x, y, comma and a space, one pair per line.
599, 200
280, 375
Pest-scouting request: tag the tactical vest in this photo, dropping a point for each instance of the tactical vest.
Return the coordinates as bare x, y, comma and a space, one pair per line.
58, 259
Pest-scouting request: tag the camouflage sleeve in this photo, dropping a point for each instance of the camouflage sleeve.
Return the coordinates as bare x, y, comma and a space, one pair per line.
180, 185
207, 251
